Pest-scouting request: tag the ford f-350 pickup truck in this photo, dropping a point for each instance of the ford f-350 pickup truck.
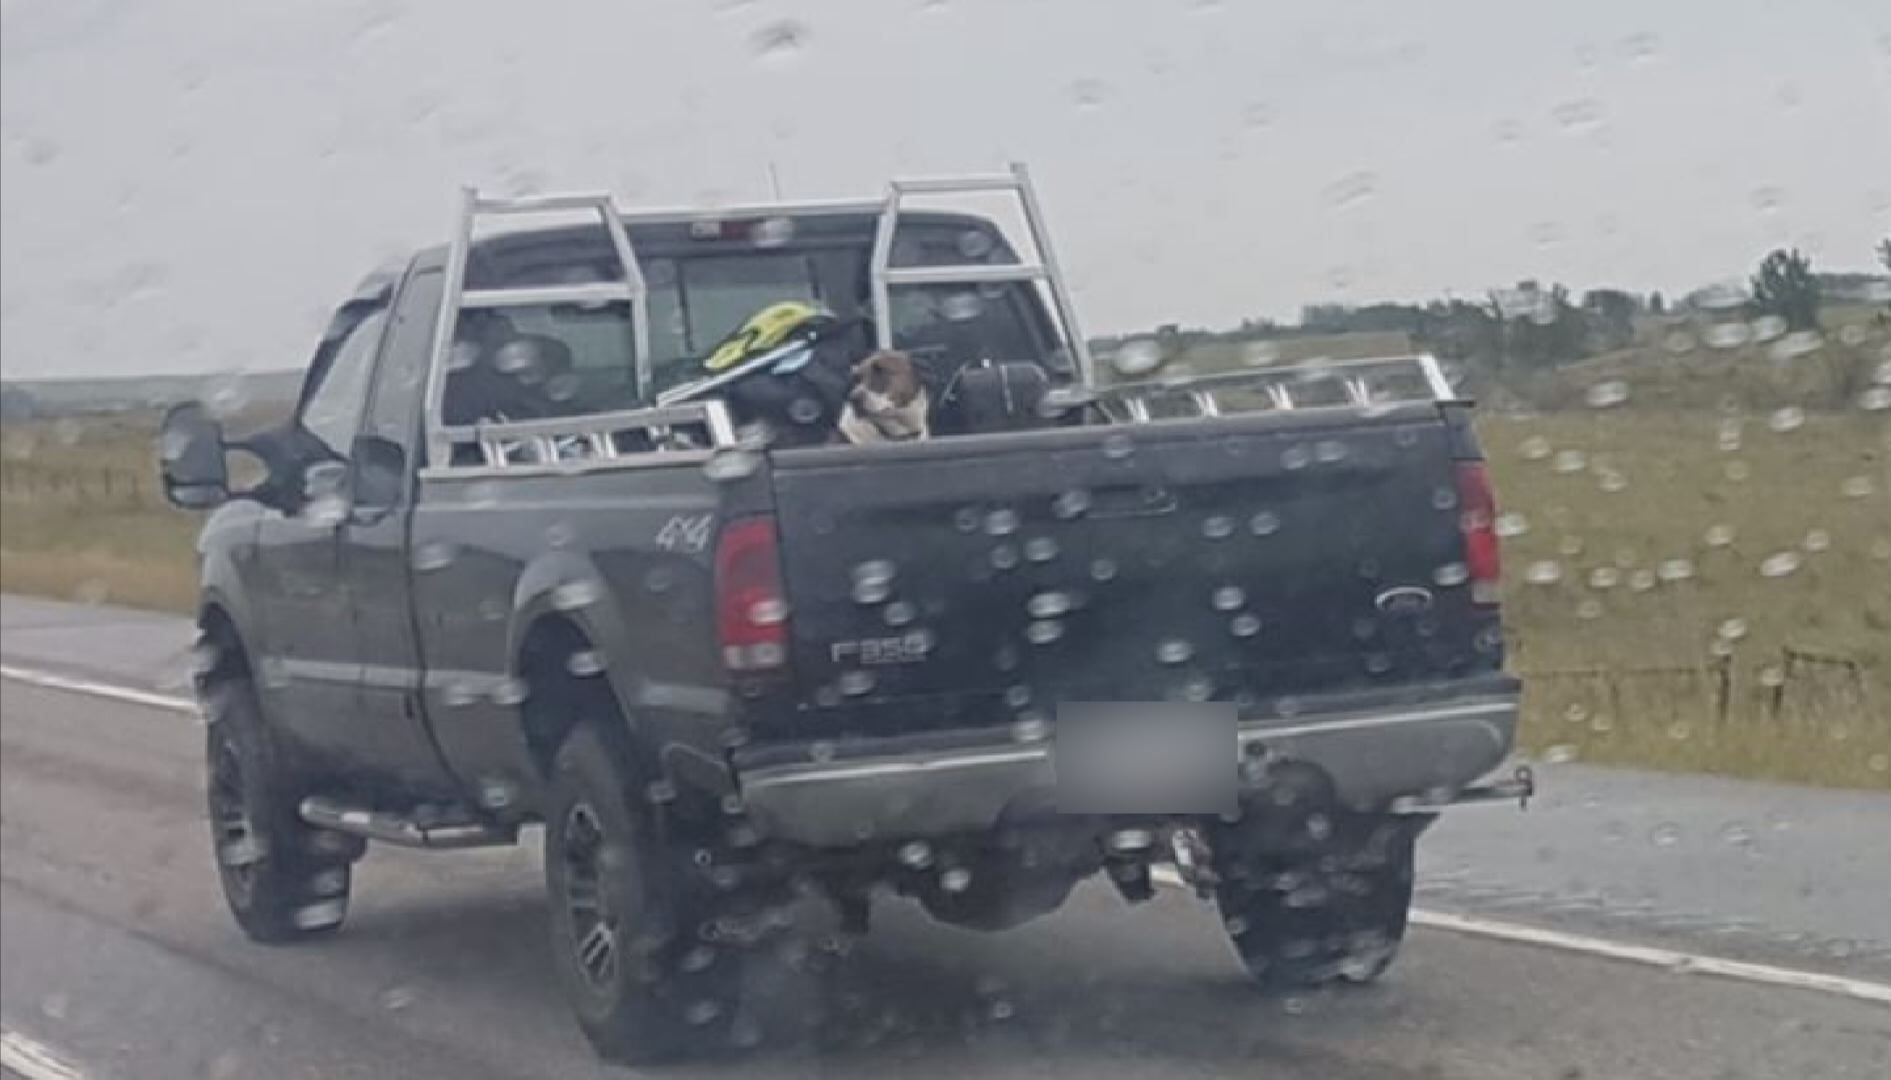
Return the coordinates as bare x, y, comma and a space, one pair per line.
511, 564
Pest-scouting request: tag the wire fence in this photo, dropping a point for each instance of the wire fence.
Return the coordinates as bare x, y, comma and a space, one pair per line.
1802, 687
103, 486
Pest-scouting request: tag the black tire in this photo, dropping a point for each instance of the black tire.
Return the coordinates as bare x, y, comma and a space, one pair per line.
636, 927
282, 880
1313, 920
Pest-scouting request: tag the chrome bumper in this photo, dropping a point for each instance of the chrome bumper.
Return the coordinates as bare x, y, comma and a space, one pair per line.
1419, 756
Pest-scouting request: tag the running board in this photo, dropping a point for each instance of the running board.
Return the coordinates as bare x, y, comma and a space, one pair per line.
392, 828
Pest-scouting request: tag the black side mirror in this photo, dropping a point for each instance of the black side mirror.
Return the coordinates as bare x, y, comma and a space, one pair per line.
380, 475
191, 457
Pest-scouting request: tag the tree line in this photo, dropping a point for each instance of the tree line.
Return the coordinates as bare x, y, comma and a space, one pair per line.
1532, 326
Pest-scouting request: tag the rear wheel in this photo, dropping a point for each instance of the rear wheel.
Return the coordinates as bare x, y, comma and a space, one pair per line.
649, 951
1308, 920
282, 880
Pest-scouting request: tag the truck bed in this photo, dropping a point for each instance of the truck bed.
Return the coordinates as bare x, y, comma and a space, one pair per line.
1263, 559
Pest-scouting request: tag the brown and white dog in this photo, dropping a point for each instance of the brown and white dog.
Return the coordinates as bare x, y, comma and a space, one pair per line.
887, 403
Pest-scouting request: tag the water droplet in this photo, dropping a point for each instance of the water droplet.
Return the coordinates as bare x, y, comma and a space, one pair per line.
1174, 651
1612, 482
1816, 540
955, 880
434, 555
1048, 605
1534, 448
779, 42
1102, 569
1584, 114
1852, 335
1768, 327
729, 465
395, 998
1732, 629
1136, 358
1244, 625
900, 613
1666, 834
1260, 354
855, 683
1560, 754
1678, 342
1607, 395
1229, 598
1117, 446
509, 692
1727, 335
1040, 549
772, 232
1043, 631
1218, 527
1089, 94
573, 595
1604, 577
1856, 487
1352, 189
1511, 524
1543, 572
1570, 461
1737, 471
1780, 564
1675, 570
1264, 523
1071, 504
1796, 344
1718, 536
1875, 399
1772, 676
1451, 574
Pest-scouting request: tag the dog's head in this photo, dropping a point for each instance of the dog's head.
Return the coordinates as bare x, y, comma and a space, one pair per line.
885, 384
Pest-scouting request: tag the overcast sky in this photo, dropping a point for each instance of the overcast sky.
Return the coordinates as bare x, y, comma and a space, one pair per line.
188, 184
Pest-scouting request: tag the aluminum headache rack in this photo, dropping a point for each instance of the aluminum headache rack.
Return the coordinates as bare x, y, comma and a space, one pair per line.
1380, 382
684, 417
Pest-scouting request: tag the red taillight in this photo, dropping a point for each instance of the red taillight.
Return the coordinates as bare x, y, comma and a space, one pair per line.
751, 609
1477, 519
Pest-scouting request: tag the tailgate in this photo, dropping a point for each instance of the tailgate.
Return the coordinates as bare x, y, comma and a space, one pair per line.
1254, 558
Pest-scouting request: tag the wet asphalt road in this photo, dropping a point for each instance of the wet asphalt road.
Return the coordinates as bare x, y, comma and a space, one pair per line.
114, 947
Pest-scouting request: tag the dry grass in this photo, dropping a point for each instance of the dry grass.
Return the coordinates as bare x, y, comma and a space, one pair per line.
1728, 671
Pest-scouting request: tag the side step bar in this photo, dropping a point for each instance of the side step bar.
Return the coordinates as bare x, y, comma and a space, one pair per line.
392, 828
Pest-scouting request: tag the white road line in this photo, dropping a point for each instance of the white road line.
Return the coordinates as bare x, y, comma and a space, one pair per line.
52, 681
34, 1060
1667, 959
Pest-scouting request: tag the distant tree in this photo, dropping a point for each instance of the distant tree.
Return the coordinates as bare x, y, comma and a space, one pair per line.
1786, 286
1657, 305
1611, 314
1884, 252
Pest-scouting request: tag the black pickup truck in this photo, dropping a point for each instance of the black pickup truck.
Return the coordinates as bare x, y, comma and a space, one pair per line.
725, 671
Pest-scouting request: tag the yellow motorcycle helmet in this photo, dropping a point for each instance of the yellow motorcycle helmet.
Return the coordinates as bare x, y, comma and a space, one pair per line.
785, 323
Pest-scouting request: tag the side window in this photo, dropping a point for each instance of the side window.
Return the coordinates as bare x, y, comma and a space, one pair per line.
332, 411
401, 381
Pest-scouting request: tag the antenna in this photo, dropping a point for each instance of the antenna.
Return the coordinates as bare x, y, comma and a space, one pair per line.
774, 181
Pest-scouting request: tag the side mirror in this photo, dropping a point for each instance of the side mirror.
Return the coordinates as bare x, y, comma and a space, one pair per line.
191, 457
380, 476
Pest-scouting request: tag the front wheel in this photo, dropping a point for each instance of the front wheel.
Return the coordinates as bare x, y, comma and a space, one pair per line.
1312, 919
282, 880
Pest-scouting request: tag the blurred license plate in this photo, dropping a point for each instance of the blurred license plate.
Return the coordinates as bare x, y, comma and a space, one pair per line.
1145, 758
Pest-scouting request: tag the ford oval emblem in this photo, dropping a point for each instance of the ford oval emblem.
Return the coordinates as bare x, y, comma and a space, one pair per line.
1404, 600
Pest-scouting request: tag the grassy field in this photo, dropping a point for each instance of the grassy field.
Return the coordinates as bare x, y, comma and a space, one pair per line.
1686, 587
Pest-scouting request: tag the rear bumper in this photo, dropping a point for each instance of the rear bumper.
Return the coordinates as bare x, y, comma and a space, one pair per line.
1426, 746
